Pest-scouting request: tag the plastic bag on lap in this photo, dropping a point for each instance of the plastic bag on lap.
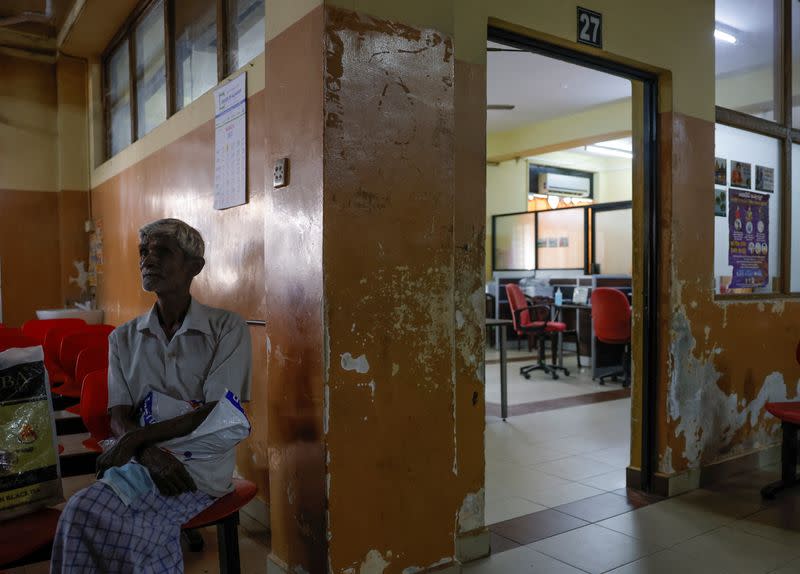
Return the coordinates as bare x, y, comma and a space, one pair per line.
224, 427
30, 476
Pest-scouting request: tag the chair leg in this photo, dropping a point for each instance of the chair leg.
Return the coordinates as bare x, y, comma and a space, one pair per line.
228, 542
789, 450
193, 540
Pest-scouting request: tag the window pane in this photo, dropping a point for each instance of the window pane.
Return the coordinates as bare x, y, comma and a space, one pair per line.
515, 242
151, 75
561, 239
613, 241
795, 269
745, 70
118, 99
246, 31
795, 63
195, 49
747, 212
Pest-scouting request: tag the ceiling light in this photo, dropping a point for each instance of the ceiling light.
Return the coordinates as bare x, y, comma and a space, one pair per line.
724, 36
553, 201
599, 150
622, 144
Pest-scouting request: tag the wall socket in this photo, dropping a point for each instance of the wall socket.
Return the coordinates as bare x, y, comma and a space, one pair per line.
280, 175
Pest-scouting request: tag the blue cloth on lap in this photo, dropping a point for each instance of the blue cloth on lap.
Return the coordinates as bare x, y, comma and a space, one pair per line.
129, 481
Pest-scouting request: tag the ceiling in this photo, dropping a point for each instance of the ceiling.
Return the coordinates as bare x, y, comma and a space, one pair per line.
31, 17
752, 22
543, 88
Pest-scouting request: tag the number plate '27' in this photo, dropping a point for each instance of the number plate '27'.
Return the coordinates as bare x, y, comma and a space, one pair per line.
590, 27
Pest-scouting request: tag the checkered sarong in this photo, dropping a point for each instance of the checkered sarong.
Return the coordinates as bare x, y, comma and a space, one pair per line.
98, 533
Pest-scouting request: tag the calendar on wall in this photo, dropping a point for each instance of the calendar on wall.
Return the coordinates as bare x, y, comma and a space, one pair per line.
230, 143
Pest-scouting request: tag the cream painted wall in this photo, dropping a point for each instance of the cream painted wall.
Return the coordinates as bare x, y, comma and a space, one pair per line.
506, 192
590, 123
746, 89
73, 124
28, 125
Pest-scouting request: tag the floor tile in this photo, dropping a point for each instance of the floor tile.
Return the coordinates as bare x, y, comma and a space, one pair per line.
666, 562
595, 549
561, 494
678, 519
611, 481
500, 544
598, 507
737, 552
792, 567
780, 523
519, 560
638, 497
502, 509
533, 527
615, 456
574, 468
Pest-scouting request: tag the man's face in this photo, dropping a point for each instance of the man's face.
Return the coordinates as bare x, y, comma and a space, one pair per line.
164, 266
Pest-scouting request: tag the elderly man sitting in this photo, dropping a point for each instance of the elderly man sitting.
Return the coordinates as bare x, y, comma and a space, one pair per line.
182, 349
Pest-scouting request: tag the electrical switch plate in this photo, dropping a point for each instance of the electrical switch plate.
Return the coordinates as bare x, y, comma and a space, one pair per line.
280, 175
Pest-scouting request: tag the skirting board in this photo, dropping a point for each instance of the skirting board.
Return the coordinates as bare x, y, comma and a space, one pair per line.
675, 484
473, 545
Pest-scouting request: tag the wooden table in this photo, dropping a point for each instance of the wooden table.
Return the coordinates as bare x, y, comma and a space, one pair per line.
503, 325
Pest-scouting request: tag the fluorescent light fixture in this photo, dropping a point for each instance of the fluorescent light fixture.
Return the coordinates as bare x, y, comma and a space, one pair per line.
600, 150
724, 36
622, 144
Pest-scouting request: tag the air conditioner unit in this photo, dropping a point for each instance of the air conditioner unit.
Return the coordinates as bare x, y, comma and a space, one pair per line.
564, 185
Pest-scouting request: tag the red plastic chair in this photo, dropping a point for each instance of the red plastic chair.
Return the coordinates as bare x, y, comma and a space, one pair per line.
4, 331
52, 347
225, 514
534, 319
94, 408
91, 359
611, 318
17, 341
38, 328
71, 346
25, 535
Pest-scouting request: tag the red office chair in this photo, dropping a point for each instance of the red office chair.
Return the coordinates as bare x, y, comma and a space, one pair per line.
611, 317
38, 328
534, 320
17, 342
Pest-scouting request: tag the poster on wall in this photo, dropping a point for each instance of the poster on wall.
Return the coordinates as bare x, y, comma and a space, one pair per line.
740, 174
748, 227
230, 143
720, 171
765, 179
720, 201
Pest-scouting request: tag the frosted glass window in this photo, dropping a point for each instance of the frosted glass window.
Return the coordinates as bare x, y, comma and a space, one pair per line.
613, 241
195, 49
746, 162
561, 242
745, 56
151, 76
515, 242
118, 98
245, 31
795, 263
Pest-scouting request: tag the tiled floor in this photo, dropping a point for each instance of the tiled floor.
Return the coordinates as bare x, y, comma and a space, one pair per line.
556, 502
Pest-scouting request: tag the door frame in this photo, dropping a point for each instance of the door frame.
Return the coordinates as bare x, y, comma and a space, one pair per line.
650, 158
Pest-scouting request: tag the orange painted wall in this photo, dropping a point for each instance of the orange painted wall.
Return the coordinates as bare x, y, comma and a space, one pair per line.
178, 181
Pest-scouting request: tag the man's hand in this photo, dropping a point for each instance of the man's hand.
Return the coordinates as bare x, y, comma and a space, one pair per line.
119, 454
167, 472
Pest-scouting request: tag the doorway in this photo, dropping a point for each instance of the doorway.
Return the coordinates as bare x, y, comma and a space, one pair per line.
565, 245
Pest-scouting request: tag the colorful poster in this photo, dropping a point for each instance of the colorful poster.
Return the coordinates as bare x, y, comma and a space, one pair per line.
740, 174
720, 201
720, 171
748, 252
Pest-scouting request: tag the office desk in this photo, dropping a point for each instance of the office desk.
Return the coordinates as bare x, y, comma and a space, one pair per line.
503, 325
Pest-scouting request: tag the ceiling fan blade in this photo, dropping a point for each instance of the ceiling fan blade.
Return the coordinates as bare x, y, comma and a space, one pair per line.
500, 107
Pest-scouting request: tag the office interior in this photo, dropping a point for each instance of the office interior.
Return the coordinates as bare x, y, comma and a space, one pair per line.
379, 245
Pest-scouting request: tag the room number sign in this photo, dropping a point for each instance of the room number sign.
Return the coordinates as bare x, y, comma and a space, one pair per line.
590, 27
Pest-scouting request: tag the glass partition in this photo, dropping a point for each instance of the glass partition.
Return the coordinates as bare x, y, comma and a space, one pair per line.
195, 49
561, 239
613, 241
515, 242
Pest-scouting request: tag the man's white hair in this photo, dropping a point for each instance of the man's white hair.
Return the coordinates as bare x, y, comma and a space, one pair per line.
189, 239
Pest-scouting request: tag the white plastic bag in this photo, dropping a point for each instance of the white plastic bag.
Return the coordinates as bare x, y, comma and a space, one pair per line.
224, 427
30, 476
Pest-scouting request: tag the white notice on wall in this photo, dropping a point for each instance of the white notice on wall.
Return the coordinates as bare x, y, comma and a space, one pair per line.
230, 138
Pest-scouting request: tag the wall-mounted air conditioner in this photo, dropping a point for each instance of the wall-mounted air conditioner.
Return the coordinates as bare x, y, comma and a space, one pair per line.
564, 185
